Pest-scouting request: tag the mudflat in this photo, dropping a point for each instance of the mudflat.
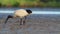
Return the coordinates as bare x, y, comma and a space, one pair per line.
35, 24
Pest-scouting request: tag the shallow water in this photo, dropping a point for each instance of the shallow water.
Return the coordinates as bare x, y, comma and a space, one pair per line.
35, 24
34, 10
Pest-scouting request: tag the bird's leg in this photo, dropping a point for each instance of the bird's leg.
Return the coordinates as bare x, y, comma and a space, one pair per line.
24, 20
21, 21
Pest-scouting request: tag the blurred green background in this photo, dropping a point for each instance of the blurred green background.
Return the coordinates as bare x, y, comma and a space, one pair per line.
29, 3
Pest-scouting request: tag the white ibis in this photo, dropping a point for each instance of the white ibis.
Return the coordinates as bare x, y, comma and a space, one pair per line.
21, 13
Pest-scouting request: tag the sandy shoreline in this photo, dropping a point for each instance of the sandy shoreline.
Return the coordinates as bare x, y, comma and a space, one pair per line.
36, 24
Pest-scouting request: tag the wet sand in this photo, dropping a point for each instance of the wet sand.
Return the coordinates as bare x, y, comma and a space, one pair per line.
35, 24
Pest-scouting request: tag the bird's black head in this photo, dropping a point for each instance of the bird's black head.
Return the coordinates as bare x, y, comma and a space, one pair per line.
29, 11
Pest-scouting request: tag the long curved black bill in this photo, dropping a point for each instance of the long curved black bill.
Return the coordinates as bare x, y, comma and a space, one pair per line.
9, 16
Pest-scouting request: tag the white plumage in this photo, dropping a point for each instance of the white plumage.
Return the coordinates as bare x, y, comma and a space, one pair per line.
21, 13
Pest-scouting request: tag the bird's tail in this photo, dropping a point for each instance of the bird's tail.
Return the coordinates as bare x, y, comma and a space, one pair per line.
9, 16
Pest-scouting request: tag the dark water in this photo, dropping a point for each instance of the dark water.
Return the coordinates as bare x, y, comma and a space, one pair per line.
4, 15
35, 9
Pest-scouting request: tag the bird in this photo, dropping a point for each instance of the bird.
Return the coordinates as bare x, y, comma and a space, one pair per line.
21, 13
